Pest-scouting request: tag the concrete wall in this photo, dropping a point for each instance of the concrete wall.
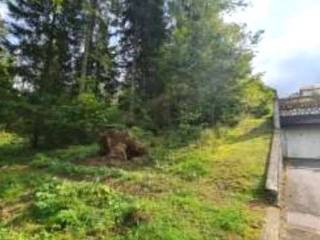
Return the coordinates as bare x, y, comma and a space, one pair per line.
275, 163
301, 142
275, 168
276, 115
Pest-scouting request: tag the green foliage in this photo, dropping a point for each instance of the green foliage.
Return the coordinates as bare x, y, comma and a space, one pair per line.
191, 165
74, 122
47, 108
83, 171
81, 205
231, 219
12, 150
40, 161
203, 189
202, 66
159, 231
8, 138
164, 69
191, 170
184, 70
75, 153
140, 44
9, 96
258, 98
66, 162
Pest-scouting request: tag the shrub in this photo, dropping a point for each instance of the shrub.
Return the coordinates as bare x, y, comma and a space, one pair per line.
79, 205
41, 161
7, 234
79, 122
51, 123
231, 219
76, 152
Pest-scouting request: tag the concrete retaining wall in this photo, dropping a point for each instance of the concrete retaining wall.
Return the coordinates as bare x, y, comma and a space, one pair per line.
275, 168
275, 164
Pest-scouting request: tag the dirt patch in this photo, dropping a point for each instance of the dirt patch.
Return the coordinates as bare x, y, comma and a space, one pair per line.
101, 161
10, 212
94, 161
134, 218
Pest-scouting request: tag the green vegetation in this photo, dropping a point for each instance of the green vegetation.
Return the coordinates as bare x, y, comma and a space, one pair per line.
209, 188
72, 69
171, 73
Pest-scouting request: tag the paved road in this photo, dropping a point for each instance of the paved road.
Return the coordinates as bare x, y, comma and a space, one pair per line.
302, 200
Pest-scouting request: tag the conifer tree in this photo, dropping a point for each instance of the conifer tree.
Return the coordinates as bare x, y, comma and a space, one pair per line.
143, 32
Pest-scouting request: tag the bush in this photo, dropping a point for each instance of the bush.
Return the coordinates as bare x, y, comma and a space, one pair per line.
258, 98
41, 161
59, 124
84, 205
231, 219
79, 122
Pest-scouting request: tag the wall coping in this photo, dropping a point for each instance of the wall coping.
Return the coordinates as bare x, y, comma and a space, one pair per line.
275, 168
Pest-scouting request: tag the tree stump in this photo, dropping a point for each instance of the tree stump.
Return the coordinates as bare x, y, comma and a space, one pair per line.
119, 145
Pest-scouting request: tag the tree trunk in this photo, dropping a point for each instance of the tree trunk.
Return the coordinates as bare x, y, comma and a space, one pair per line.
87, 45
35, 135
48, 60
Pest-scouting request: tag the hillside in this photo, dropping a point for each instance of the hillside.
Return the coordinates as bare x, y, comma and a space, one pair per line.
210, 188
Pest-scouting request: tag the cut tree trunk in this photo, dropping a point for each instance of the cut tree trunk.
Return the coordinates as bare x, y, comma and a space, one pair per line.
119, 145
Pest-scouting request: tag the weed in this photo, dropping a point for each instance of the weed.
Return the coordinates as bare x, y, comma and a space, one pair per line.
82, 205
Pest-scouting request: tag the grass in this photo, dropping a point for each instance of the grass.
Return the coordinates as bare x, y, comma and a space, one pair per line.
210, 189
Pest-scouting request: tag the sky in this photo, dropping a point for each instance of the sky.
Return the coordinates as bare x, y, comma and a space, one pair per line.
289, 53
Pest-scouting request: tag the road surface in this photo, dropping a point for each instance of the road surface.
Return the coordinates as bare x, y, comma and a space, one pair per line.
302, 200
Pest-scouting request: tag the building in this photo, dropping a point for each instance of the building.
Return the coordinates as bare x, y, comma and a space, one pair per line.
310, 91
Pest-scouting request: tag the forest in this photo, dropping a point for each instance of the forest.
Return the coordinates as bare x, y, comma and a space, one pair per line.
173, 79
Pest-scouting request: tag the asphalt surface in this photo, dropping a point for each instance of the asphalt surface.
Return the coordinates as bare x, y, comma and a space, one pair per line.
302, 200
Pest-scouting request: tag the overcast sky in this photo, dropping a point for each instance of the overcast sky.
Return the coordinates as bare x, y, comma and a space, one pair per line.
2, 9
289, 53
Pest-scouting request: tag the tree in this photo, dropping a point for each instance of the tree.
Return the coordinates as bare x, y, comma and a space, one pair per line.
50, 59
143, 32
202, 65
91, 16
98, 58
168, 63
7, 92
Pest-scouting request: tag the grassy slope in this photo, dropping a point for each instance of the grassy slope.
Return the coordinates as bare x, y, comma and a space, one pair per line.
211, 189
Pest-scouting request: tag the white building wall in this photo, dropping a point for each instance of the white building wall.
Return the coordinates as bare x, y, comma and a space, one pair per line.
301, 142
310, 92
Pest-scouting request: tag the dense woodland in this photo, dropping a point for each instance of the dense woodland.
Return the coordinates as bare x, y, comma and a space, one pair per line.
71, 69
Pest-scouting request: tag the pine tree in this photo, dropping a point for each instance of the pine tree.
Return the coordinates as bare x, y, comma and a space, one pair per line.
42, 51
143, 32
98, 66
59, 49
43, 47
203, 65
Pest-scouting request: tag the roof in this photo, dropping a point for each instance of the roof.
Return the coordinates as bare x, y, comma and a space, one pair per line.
311, 87
287, 121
